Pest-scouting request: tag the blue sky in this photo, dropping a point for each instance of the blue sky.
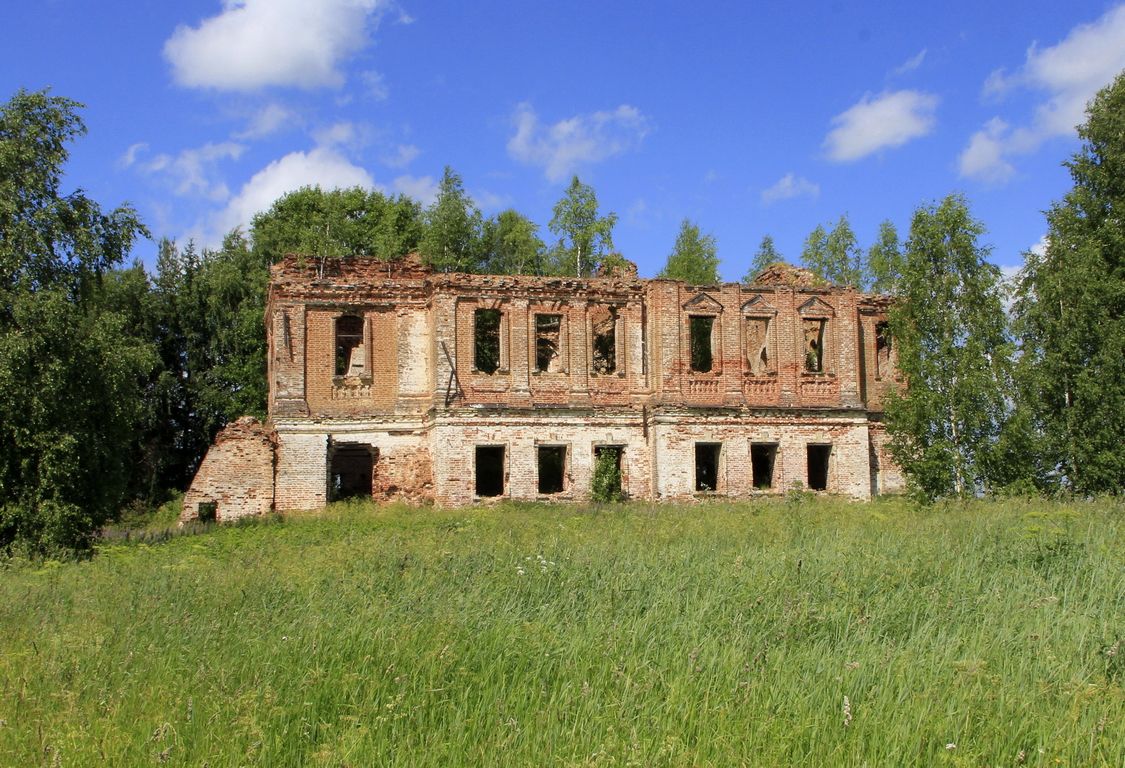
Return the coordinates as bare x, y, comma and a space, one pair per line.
749, 118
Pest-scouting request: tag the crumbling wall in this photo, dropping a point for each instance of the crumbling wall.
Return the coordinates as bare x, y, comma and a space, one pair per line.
237, 474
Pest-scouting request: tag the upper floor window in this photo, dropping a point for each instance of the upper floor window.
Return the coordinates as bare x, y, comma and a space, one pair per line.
548, 343
486, 340
349, 346
883, 352
814, 344
603, 326
758, 347
699, 331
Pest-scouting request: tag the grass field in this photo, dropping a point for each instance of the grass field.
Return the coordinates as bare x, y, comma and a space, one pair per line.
795, 632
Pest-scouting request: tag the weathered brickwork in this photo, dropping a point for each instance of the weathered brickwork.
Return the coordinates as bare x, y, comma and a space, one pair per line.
390, 381
236, 477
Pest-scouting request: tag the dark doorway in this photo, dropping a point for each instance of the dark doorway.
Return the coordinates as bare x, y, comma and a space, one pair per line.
350, 472
490, 470
208, 511
607, 472
552, 468
762, 459
707, 466
818, 456
699, 329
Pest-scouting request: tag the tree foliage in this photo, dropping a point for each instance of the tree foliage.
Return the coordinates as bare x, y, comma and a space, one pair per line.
884, 260
512, 245
694, 258
71, 372
954, 351
835, 255
1070, 313
585, 237
452, 237
766, 255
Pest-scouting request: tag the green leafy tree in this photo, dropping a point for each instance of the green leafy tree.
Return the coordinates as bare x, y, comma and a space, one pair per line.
814, 252
694, 258
835, 256
954, 352
452, 237
766, 256
1069, 314
512, 245
71, 369
585, 238
884, 260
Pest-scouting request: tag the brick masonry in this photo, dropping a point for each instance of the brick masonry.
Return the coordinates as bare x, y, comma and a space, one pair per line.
412, 394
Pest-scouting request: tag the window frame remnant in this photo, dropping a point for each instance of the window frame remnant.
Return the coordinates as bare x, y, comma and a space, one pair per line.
708, 466
759, 347
701, 355
487, 340
548, 334
207, 511
550, 468
603, 344
818, 457
490, 470
763, 465
884, 352
349, 331
815, 335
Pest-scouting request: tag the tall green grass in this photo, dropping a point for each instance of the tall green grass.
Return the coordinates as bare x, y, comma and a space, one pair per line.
781, 633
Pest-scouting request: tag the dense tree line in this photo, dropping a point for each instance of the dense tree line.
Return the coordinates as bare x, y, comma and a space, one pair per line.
114, 380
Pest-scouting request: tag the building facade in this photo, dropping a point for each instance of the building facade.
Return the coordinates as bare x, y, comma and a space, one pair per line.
392, 381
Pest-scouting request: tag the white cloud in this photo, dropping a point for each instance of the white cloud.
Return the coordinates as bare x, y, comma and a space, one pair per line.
562, 148
321, 166
403, 156
490, 201
790, 186
269, 119
130, 155
192, 171
1069, 74
910, 64
424, 189
343, 134
983, 158
376, 85
889, 120
257, 43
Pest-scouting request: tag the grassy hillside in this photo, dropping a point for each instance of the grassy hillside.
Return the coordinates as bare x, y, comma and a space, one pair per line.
792, 632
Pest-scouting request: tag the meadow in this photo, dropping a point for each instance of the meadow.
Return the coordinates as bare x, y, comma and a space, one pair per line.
790, 632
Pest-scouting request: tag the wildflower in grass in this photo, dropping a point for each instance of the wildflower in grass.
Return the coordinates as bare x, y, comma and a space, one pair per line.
520, 571
847, 712
951, 746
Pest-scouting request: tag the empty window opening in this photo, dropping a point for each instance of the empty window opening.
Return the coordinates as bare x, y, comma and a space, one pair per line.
490, 470
350, 471
818, 456
603, 323
208, 511
763, 457
349, 345
552, 468
486, 340
607, 482
548, 335
882, 351
757, 345
814, 345
702, 357
707, 466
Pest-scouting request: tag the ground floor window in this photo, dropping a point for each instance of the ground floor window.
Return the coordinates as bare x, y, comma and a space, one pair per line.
818, 456
552, 468
490, 470
763, 458
606, 484
707, 466
350, 470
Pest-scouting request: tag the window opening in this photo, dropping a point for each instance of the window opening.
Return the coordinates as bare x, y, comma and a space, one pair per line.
486, 340
757, 345
490, 470
208, 511
606, 485
548, 335
603, 321
763, 457
818, 456
701, 355
552, 468
349, 345
882, 351
351, 468
814, 345
707, 466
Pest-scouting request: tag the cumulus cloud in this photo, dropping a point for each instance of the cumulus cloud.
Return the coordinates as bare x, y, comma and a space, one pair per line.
424, 189
1069, 74
402, 156
322, 166
563, 147
191, 172
983, 158
910, 64
789, 186
252, 44
890, 119
268, 120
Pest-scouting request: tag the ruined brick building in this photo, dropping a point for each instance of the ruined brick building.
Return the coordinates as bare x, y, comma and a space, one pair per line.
388, 380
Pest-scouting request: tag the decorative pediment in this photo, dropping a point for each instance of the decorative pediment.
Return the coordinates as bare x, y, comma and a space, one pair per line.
701, 302
816, 307
757, 306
